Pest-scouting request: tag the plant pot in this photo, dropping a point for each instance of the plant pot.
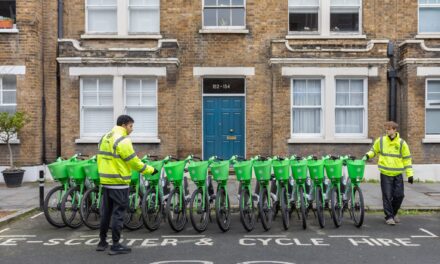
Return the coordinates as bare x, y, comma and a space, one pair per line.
13, 178
6, 24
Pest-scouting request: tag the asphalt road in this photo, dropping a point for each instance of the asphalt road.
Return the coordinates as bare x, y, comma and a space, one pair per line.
415, 240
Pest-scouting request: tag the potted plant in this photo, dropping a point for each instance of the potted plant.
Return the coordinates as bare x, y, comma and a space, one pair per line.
10, 125
6, 23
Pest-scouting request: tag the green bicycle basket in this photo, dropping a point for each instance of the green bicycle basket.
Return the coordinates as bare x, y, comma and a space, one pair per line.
262, 169
58, 169
198, 170
243, 170
299, 169
134, 177
75, 170
220, 170
333, 168
356, 170
281, 169
158, 166
174, 170
91, 171
316, 169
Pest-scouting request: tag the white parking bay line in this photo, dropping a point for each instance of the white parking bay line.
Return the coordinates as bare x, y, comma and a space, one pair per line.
427, 232
37, 215
6, 229
348, 236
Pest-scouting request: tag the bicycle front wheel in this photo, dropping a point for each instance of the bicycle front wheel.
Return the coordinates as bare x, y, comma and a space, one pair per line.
222, 210
199, 210
247, 217
336, 208
90, 209
133, 216
52, 207
70, 208
303, 207
265, 208
176, 210
357, 206
320, 207
284, 208
152, 210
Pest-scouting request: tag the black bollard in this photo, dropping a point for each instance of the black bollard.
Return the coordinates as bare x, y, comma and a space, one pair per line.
41, 180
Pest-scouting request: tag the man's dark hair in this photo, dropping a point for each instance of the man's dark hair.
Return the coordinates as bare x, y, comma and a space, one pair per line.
124, 120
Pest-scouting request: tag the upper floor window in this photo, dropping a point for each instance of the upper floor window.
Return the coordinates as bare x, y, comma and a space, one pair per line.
122, 17
432, 108
429, 16
7, 14
224, 13
325, 17
8, 93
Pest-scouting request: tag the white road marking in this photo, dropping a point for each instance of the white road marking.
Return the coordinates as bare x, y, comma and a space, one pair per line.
427, 232
34, 241
275, 236
265, 261
183, 261
37, 215
90, 236
184, 236
6, 229
18, 236
347, 236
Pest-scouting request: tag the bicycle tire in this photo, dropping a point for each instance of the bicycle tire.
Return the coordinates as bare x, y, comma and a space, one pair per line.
200, 215
247, 217
320, 207
70, 210
52, 208
284, 208
335, 208
303, 207
152, 212
89, 210
133, 215
265, 211
358, 211
222, 213
176, 212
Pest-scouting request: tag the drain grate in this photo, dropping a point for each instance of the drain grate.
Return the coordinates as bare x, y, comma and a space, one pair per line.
432, 193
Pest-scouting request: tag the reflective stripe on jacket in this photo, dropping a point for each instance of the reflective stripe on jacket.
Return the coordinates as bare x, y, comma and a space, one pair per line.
116, 158
394, 157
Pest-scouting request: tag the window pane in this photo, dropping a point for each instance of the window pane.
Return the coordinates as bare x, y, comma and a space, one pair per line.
145, 2
8, 108
102, 20
132, 96
90, 98
211, 2
303, 21
106, 85
306, 92
345, 2
433, 92
224, 17
224, 2
89, 85
9, 82
429, 20
304, 2
237, 2
432, 121
210, 17
429, 1
142, 20
340, 22
146, 120
349, 120
237, 16
97, 120
102, 2
148, 93
9, 97
306, 120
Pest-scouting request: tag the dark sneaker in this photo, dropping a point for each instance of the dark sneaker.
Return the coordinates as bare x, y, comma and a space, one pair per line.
102, 246
119, 249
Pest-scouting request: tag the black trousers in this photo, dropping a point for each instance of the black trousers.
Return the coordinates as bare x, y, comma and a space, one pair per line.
114, 205
392, 194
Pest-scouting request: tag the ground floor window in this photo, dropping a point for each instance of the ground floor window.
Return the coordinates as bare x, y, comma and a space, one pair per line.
432, 107
8, 93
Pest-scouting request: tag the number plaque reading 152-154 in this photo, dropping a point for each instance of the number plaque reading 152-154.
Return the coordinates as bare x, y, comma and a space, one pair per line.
223, 85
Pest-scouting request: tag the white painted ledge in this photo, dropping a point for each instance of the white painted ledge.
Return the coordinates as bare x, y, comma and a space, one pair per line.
427, 36
430, 140
146, 36
223, 31
334, 71
329, 141
12, 141
212, 71
293, 36
9, 31
133, 139
118, 71
12, 69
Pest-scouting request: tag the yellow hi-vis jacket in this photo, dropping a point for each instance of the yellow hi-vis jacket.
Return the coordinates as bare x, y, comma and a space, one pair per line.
394, 158
116, 159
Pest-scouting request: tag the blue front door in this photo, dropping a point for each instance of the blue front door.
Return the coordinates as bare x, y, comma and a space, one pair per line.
223, 126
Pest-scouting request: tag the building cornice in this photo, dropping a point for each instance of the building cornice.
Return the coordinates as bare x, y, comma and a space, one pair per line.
92, 60
369, 47
421, 42
419, 61
160, 44
328, 61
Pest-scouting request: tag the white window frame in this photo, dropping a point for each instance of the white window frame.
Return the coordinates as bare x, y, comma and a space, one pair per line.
364, 107
436, 137
418, 18
123, 22
145, 7
224, 27
318, 32
324, 31
137, 133
1, 92
322, 107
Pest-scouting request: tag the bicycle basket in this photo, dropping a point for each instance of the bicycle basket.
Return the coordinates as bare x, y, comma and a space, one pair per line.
174, 170
58, 169
316, 169
198, 170
220, 170
356, 170
134, 177
333, 168
75, 170
243, 170
158, 166
299, 169
281, 169
262, 169
91, 171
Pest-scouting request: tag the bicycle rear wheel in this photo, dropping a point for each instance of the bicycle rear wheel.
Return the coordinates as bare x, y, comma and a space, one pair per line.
52, 207
265, 209
133, 216
357, 206
247, 217
152, 211
198, 212
320, 207
70, 208
90, 209
336, 209
284, 208
303, 207
222, 212
176, 210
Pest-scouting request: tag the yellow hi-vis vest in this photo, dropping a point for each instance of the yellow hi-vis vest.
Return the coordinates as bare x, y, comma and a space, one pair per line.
394, 158
116, 159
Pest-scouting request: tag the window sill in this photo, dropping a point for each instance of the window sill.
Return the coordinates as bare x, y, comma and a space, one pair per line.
427, 36
10, 31
430, 140
293, 36
91, 36
133, 139
223, 31
330, 141
12, 141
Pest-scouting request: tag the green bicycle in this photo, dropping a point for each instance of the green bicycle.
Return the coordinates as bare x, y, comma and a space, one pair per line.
90, 207
262, 169
283, 188
220, 172
299, 172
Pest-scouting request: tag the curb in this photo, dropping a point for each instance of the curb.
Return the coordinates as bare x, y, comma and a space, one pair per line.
19, 214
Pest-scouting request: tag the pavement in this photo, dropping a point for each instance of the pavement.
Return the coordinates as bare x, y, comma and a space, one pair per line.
15, 202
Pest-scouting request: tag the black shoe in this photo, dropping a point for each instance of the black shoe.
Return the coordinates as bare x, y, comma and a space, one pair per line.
102, 246
119, 249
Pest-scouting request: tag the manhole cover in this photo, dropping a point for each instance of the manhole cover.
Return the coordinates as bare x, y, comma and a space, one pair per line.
432, 193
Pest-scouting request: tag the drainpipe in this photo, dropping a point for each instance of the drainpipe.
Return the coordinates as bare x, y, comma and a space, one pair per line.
58, 110
392, 82
43, 98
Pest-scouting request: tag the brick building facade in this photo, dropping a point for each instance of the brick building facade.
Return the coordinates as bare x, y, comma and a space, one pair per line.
220, 76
